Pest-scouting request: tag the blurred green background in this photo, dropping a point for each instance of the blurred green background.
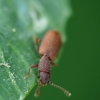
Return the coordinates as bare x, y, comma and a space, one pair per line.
79, 65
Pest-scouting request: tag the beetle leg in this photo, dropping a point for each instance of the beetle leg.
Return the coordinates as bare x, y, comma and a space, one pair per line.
54, 64
37, 42
37, 90
33, 66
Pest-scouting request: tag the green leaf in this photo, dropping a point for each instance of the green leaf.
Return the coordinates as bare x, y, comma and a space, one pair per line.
20, 20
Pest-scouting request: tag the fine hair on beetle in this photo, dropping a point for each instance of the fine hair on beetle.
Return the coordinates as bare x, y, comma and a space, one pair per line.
48, 49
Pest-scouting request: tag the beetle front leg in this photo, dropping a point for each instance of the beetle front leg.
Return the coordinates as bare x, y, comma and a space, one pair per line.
36, 43
33, 66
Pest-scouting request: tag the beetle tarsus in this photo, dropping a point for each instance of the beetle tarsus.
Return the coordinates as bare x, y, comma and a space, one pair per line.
37, 92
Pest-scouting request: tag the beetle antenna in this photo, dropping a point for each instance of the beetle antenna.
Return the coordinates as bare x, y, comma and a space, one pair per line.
37, 92
62, 89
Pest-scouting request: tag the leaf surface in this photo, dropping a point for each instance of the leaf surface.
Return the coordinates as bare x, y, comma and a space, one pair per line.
20, 20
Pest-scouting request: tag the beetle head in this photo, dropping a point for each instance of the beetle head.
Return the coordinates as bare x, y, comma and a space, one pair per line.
43, 78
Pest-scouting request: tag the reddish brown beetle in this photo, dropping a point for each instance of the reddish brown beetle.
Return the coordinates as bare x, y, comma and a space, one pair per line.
48, 50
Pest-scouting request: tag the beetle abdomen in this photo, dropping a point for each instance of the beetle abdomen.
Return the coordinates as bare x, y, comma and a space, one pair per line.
50, 44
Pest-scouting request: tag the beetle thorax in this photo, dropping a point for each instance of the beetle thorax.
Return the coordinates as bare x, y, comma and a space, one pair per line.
44, 69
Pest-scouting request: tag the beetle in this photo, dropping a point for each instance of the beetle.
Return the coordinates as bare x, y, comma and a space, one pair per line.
48, 50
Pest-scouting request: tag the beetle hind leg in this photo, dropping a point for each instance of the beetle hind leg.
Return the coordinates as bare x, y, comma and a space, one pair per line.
53, 63
36, 43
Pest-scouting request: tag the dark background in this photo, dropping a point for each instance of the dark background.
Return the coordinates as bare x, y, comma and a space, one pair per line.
79, 66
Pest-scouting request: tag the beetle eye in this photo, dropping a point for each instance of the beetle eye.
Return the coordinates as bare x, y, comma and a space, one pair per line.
38, 75
48, 81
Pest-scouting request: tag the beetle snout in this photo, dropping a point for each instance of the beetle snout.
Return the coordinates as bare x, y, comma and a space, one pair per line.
43, 84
